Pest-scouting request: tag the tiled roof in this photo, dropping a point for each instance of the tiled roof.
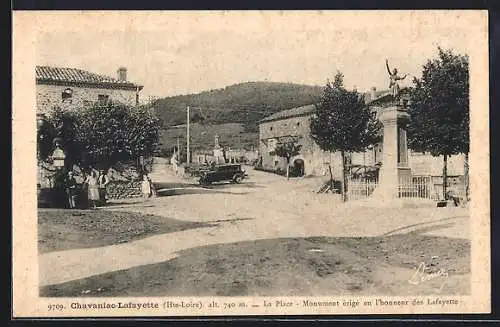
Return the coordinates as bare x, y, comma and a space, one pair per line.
75, 75
299, 111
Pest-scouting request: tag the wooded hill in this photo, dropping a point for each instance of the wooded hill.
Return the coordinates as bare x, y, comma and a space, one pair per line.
242, 105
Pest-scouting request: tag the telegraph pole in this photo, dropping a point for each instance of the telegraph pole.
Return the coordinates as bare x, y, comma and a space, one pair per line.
178, 150
188, 152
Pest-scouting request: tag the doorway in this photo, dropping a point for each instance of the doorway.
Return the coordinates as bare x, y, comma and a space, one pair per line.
298, 167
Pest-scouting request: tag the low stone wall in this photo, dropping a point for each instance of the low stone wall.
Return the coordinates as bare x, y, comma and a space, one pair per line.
124, 189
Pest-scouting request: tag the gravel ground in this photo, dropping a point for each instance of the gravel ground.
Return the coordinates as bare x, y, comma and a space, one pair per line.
292, 266
61, 229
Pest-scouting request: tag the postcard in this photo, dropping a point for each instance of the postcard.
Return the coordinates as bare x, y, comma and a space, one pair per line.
208, 163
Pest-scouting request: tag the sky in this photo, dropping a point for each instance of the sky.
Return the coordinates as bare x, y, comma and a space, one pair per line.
173, 53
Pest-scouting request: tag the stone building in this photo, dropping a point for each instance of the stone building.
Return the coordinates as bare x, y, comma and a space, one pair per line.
72, 88
293, 125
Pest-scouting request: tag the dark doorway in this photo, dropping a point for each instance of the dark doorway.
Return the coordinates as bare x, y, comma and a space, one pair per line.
298, 167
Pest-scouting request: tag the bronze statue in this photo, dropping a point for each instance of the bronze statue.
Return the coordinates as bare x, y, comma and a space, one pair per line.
394, 78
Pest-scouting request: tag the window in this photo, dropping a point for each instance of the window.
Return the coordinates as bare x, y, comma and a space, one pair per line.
102, 99
298, 124
271, 128
271, 144
67, 94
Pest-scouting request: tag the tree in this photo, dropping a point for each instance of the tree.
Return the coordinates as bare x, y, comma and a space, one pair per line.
45, 136
104, 135
439, 109
343, 122
287, 150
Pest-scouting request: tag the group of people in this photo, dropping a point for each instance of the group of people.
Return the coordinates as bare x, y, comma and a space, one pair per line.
94, 185
94, 188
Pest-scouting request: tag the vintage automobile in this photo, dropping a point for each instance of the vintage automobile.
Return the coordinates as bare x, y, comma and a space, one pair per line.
220, 173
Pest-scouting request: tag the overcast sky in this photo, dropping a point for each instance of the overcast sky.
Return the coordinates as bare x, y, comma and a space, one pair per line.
174, 53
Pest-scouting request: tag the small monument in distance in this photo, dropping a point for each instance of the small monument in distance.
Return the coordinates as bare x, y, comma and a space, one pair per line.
218, 151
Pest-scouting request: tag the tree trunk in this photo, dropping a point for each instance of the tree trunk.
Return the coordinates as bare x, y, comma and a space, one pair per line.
344, 177
466, 176
445, 175
287, 171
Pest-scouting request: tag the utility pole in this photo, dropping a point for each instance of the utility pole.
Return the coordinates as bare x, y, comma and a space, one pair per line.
178, 150
188, 152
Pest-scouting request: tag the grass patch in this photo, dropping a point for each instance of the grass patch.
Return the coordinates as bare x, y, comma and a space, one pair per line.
61, 229
288, 267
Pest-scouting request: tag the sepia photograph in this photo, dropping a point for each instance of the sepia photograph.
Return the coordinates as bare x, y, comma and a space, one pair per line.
235, 163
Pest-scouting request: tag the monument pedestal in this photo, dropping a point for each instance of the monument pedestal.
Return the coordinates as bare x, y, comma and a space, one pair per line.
395, 170
219, 155
218, 152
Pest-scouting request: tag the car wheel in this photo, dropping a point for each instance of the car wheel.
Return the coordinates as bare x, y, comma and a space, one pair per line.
237, 179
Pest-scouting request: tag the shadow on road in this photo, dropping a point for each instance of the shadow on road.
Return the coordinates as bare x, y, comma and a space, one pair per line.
232, 220
121, 203
423, 229
161, 185
270, 267
193, 190
233, 185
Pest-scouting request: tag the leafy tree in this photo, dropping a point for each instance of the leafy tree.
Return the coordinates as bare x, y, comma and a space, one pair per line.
287, 150
439, 110
105, 135
45, 136
343, 122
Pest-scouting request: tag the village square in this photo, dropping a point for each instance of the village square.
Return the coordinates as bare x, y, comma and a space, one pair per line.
257, 188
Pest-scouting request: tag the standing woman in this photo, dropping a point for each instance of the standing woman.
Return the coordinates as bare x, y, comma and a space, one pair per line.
93, 189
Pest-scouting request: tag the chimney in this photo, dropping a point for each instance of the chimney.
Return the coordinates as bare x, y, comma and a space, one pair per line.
373, 93
122, 74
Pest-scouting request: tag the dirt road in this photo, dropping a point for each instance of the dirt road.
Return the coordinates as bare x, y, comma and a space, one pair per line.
265, 206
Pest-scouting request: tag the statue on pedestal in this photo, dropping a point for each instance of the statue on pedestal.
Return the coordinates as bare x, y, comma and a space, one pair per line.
394, 78
218, 151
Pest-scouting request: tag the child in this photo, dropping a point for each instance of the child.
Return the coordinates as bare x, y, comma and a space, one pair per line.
145, 187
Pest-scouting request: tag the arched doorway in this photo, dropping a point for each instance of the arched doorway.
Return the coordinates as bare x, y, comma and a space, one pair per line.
298, 167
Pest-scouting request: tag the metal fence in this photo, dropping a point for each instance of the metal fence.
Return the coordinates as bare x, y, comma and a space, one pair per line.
359, 188
421, 187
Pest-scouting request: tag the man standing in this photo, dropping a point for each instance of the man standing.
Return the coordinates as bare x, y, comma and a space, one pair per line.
71, 189
102, 182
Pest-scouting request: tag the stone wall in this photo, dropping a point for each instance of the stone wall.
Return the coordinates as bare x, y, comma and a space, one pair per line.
124, 189
49, 96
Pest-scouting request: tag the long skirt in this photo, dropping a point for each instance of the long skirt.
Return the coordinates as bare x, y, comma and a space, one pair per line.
93, 193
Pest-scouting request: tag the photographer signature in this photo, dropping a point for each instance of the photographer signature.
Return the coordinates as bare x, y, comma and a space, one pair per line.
420, 275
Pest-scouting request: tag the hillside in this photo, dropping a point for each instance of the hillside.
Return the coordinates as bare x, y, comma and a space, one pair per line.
244, 103
232, 112
231, 135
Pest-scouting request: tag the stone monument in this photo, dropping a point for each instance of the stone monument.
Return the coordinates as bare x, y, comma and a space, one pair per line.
395, 170
218, 151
